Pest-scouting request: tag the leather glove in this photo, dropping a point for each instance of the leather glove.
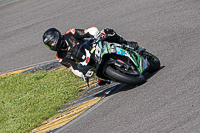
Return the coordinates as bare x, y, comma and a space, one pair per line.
99, 36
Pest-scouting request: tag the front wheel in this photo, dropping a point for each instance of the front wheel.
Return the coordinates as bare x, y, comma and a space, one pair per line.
154, 62
121, 77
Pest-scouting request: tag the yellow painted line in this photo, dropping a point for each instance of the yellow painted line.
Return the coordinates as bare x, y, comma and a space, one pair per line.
65, 117
15, 72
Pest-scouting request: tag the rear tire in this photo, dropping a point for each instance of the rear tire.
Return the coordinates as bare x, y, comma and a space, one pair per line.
118, 76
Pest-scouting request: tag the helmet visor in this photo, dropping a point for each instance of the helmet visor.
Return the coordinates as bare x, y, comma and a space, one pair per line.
53, 40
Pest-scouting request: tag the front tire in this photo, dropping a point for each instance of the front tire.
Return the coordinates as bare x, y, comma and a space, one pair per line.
118, 76
154, 62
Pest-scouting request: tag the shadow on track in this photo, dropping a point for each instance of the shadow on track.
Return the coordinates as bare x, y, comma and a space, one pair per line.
125, 87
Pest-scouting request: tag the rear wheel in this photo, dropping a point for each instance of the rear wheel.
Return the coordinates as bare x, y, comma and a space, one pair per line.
154, 62
119, 76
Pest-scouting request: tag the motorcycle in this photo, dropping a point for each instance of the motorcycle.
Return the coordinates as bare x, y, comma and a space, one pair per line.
116, 62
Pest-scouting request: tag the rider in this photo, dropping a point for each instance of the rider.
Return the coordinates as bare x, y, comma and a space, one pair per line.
64, 44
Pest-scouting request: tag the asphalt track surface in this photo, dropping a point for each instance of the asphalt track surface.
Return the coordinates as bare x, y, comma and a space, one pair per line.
170, 99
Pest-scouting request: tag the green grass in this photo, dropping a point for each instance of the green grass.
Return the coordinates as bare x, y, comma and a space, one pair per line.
27, 100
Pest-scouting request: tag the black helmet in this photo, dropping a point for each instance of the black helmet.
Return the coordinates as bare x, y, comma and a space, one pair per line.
52, 39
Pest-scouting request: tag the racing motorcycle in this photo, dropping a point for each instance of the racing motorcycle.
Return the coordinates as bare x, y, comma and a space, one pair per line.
116, 62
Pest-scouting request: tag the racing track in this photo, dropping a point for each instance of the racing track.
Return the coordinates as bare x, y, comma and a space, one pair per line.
170, 29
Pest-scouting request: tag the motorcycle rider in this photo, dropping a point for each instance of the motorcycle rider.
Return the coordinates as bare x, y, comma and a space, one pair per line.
64, 44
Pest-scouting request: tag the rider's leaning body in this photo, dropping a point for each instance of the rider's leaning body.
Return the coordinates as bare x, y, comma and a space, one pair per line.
64, 44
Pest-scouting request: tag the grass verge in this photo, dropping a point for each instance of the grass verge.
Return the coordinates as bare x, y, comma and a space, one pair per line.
27, 100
